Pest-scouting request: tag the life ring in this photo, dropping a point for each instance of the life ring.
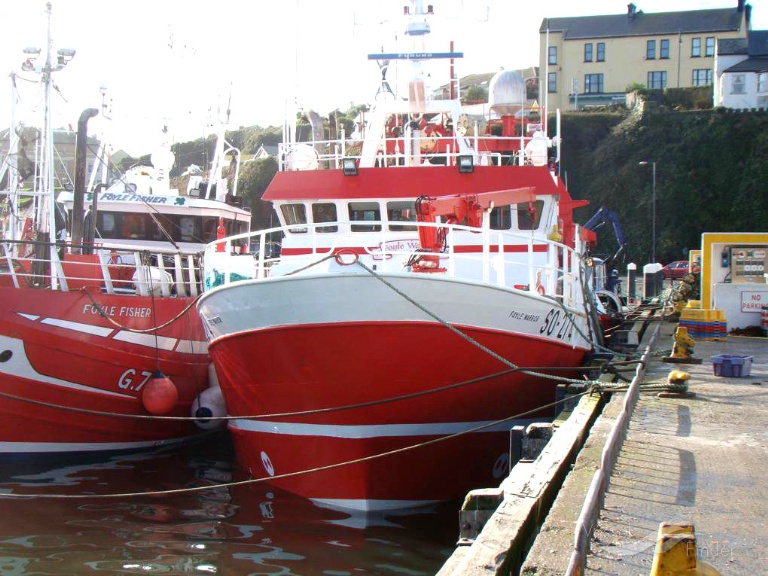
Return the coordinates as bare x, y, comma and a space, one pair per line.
339, 256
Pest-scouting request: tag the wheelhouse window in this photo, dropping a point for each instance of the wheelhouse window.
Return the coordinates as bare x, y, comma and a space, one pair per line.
664, 48
294, 214
324, 212
709, 47
161, 227
552, 55
529, 215
695, 47
552, 82
601, 51
364, 212
657, 80
501, 218
702, 77
588, 52
525, 216
650, 50
398, 213
593, 83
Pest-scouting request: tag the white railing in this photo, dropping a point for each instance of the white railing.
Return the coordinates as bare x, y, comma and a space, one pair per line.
404, 151
111, 269
521, 261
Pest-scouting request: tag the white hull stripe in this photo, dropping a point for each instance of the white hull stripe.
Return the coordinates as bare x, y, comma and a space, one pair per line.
18, 366
78, 327
52, 447
359, 504
148, 340
369, 431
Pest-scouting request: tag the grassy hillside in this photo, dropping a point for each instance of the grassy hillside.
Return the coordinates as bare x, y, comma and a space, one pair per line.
711, 175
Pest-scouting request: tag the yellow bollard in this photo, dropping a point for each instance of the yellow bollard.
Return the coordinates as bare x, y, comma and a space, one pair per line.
675, 553
682, 348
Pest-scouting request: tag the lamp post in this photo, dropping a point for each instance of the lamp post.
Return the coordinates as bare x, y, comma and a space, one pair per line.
653, 208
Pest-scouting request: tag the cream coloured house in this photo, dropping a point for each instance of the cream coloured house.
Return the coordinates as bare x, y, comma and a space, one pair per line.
591, 60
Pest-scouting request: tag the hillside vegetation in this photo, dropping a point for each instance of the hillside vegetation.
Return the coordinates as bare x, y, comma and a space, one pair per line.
711, 175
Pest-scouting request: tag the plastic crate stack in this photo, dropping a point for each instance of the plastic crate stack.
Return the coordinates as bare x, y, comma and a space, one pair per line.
704, 324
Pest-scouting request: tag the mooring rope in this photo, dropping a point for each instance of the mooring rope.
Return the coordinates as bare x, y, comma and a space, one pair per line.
298, 472
304, 412
458, 332
597, 387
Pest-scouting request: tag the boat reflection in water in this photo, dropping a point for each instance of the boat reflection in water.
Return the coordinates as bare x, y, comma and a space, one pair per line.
243, 529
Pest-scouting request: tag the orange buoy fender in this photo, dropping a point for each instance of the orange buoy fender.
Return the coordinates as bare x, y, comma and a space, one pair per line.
159, 394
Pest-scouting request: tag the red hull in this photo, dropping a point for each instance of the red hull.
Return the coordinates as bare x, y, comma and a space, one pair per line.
60, 359
313, 368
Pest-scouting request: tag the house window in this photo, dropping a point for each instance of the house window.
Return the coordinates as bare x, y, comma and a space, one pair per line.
650, 50
593, 83
552, 55
588, 52
737, 84
552, 82
657, 80
702, 77
762, 82
709, 49
664, 48
601, 51
695, 47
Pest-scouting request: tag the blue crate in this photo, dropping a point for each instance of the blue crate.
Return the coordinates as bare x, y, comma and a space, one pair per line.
731, 366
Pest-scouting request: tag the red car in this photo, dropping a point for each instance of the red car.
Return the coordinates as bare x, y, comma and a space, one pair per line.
675, 270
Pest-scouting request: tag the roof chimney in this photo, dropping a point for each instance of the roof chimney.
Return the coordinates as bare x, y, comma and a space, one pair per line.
631, 10
740, 6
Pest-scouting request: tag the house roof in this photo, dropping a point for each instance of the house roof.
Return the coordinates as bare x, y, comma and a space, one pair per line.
731, 46
639, 23
758, 43
757, 64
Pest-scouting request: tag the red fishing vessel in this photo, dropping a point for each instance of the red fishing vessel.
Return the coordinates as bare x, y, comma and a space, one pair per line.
99, 340
429, 295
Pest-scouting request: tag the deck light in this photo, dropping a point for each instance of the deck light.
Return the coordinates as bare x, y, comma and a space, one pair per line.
349, 166
466, 164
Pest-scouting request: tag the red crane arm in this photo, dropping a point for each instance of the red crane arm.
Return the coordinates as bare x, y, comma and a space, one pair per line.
464, 209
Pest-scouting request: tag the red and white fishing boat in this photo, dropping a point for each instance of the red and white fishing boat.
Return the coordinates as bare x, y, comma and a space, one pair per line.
98, 335
430, 284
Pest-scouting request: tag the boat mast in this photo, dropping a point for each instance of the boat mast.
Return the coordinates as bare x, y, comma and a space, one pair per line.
12, 166
47, 214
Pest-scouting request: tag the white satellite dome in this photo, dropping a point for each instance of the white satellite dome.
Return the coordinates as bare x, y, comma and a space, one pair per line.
506, 92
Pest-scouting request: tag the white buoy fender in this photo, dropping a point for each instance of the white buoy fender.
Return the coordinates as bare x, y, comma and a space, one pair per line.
210, 404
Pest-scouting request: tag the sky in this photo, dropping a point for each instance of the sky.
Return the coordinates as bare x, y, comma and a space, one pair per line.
183, 63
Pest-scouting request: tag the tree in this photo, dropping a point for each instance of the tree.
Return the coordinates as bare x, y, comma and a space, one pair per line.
254, 178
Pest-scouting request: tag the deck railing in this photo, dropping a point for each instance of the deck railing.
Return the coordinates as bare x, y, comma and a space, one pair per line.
111, 269
521, 261
408, 150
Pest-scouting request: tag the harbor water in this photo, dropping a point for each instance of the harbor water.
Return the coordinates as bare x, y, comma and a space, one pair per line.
200, 528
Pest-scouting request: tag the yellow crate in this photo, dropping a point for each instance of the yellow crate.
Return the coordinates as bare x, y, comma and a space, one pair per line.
698, 315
